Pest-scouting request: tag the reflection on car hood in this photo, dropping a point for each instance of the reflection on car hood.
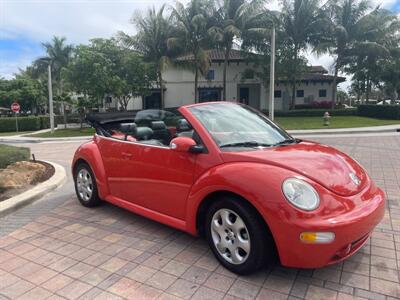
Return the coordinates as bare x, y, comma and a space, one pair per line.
323, 164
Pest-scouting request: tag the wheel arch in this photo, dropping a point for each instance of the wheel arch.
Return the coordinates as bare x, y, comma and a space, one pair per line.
89, 154
214, 196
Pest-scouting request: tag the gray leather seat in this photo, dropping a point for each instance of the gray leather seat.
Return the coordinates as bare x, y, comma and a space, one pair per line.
160, 132
183, 128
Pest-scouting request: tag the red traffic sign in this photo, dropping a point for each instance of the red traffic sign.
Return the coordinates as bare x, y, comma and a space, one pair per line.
15, 107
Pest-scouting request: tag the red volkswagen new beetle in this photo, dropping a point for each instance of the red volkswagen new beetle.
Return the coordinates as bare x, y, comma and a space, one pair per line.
225, 171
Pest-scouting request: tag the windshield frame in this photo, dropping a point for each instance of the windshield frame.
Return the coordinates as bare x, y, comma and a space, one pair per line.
286, 137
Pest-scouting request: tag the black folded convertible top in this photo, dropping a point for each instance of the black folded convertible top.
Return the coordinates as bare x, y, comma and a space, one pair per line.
110, 117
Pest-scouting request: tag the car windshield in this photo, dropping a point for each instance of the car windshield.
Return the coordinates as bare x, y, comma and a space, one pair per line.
234, 126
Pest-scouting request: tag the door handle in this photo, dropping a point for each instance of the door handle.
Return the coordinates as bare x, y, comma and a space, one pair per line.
126, 155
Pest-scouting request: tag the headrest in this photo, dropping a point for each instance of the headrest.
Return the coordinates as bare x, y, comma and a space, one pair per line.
183, 125
144, 133
157, 125
128, 128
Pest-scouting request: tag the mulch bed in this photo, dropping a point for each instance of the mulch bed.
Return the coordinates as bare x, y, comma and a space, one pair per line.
49, 171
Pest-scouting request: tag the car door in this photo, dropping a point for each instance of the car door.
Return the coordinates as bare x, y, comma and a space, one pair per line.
156, 177
115, 157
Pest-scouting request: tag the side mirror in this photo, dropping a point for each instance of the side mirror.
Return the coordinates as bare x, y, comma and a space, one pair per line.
182, 144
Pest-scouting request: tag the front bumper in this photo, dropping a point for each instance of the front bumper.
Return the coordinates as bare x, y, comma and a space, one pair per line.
352, 229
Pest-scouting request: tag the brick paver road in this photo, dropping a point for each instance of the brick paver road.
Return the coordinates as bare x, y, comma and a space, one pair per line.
56, 249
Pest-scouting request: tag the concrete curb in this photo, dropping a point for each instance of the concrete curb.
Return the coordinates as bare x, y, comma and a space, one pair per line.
16, 202
40, 140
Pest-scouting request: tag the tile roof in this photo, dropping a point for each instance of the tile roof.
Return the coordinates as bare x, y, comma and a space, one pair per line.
216, 55
314, 73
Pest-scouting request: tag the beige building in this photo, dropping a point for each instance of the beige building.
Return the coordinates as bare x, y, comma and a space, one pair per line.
315, 85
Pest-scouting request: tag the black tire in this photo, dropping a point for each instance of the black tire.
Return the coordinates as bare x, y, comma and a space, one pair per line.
86, 199
260, 240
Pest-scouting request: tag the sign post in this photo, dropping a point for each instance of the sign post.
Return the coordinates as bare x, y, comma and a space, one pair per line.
15, 107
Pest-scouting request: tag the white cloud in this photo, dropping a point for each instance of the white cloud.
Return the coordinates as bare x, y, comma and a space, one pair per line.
81, 20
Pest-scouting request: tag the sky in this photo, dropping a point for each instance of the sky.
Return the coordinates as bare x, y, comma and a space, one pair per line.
25, 24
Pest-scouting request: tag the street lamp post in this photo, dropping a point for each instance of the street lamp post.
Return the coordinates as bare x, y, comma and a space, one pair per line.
272, 76
50, 99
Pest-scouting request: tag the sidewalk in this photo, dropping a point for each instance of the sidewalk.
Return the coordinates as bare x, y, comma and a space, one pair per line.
372, 129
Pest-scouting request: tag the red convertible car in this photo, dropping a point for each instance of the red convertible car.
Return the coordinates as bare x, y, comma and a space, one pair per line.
225, 171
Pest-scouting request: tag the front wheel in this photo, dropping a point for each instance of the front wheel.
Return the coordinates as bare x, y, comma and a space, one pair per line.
237, 236
85, 186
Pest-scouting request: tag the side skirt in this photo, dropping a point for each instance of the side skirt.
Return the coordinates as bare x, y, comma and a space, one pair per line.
145, 212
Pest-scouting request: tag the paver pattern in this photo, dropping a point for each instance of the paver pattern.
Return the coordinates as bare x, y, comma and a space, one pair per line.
57, 249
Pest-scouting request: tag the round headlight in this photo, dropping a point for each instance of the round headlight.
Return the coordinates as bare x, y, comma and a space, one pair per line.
300, 194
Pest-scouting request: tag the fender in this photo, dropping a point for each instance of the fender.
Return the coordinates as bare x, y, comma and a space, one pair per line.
90, 153
263, 191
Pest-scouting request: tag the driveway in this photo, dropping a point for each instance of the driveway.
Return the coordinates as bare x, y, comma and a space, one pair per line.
57, 249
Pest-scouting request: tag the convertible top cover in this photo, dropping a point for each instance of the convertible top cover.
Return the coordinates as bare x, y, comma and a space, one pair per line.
110, 117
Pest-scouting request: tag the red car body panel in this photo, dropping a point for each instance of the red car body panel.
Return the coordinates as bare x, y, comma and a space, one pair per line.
169, 187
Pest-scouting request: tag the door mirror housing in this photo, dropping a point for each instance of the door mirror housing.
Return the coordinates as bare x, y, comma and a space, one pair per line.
182, 144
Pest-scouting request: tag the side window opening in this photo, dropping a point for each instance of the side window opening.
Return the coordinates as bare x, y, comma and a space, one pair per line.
152, 127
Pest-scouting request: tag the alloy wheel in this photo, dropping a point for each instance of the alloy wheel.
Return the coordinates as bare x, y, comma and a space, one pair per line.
84, 184
230, 236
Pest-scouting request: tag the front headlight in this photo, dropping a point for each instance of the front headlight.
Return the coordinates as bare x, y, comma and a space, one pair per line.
300, 194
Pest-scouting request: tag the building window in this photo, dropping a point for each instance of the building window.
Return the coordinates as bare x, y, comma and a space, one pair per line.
278, 94
322, 93
300, 93
209, 94
210, 75
152, 101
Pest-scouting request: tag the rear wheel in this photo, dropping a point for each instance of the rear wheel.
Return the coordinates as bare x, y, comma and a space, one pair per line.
237, 235
85, 186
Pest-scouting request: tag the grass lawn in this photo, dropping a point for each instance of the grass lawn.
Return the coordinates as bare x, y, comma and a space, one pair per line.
13, 133
291, 123
65, 133
11, 154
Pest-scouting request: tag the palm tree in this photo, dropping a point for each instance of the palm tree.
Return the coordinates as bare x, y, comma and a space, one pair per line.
344, 18
231, 19
192, 24
58, 56
376, 43
302, 23
154, 29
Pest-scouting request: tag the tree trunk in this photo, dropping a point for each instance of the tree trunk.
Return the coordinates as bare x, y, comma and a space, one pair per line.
62, 103
227, 52
334, 84
160, 82
368, 88
293, 102
196, 79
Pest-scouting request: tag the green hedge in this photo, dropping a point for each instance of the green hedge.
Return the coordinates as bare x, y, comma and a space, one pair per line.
10, 154
379, 111
33, 123
314, 112
24, 124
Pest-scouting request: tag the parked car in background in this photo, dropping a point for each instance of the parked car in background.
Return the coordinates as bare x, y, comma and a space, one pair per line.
226, 172
388, 102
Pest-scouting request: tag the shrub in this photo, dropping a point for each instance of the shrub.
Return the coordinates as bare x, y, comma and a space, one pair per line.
24, 124
379, 111
44, 122
11, 154
322, 104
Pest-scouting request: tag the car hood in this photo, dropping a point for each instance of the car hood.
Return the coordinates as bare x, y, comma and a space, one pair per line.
323, 164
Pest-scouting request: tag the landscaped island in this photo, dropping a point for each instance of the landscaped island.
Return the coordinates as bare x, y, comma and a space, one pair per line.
17, 173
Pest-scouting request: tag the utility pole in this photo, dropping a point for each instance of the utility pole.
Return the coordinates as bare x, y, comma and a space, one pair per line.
50, 100
272, 76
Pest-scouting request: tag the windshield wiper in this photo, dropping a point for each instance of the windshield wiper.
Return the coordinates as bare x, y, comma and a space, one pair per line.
245, 144
287, 142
